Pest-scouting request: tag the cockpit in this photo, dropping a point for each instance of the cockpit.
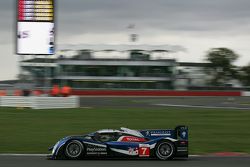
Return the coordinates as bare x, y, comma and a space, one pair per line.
108, 135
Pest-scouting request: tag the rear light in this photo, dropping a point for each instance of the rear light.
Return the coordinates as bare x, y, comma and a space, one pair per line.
183, 142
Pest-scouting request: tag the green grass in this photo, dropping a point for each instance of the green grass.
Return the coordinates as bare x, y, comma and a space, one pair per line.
211, 130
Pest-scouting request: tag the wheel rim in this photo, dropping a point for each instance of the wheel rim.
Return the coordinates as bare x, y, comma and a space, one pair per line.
74, 149
165, 150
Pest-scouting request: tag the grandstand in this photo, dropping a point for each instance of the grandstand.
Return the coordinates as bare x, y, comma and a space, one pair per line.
115, 67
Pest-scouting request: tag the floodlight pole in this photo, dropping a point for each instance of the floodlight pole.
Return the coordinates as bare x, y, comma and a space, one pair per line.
133, 36
47, 78
21, 59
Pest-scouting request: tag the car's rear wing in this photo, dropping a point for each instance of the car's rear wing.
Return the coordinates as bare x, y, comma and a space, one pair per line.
179, 133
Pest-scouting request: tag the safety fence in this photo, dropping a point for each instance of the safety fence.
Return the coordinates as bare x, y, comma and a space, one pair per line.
246, 94
40, 102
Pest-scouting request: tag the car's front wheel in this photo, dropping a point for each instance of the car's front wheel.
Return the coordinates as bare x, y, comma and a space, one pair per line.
74, 149
165, 150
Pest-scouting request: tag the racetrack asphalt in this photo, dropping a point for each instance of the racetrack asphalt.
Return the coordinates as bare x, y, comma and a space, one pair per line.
203, 161
156, 102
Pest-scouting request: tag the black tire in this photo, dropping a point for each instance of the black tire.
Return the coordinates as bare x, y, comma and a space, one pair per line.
74, 149
165, 150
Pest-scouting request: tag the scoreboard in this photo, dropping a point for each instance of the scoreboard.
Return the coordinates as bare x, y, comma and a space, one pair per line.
36, 10
35, 27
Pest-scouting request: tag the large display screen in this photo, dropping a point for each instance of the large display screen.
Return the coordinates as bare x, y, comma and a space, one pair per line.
35, 27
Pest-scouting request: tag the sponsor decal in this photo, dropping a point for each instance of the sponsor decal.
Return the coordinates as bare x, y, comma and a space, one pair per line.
158, 133
96, 153
131, 139
133, 151
96, 149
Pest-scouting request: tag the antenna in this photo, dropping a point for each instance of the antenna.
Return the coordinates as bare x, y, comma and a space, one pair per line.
133, 36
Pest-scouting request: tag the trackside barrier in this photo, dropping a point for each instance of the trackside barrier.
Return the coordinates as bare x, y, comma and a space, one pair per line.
245, 93
16, 101
56, 102
40, 102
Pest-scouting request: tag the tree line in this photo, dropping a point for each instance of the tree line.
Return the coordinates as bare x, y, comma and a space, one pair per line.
221, 67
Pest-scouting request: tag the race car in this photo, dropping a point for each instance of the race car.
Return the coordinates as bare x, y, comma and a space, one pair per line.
164, 144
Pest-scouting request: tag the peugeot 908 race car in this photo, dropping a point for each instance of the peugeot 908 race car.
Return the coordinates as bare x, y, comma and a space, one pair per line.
163, 144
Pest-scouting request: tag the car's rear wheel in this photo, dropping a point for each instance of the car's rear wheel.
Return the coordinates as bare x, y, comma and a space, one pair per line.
74, 149
165, 150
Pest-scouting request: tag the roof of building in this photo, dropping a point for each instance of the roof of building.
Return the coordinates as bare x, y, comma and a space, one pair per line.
8, 82
41, 60
124, 47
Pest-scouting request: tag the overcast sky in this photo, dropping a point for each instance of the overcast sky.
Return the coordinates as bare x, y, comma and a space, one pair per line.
196, 25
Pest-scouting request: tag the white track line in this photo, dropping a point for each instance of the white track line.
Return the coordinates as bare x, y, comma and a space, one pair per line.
195, 155
206, 107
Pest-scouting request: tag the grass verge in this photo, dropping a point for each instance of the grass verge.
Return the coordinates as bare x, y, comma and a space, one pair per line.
211, 130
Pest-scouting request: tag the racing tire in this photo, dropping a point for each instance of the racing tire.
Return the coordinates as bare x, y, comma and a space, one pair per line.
74, 149
165, 150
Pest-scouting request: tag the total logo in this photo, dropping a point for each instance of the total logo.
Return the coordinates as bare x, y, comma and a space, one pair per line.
131, 139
